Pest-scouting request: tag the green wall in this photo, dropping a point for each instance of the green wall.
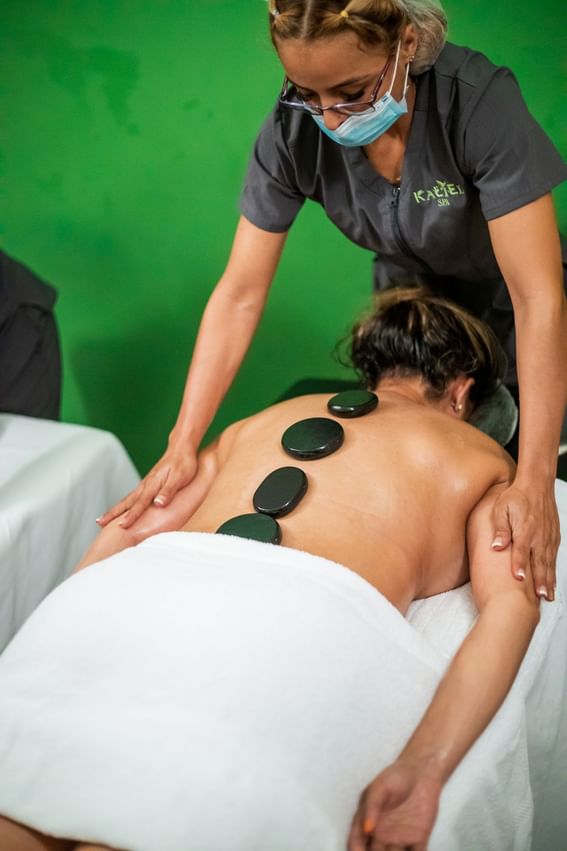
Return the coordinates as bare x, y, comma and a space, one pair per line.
129, 125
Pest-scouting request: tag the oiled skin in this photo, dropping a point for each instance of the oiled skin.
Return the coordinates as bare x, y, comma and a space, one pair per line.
391, 504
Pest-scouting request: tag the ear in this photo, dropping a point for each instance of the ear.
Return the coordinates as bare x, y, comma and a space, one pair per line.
458, 391
409, 44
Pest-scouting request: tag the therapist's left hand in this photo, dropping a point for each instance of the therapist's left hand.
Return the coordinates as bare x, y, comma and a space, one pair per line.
396, 811
526, 519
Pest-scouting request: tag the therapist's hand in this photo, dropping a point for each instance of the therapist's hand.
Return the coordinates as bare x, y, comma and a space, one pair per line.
396, 811
526, 519
175, 469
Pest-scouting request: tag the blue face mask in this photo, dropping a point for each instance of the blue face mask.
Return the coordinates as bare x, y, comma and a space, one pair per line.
365, 127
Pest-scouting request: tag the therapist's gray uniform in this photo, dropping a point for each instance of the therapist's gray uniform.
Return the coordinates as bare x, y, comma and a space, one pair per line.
474, 153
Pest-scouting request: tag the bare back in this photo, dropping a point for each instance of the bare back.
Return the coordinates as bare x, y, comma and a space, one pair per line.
391, 504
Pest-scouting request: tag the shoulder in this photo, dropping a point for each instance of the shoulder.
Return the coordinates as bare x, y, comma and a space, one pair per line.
466, 66
500, 461
288, 129
496, 142
487, 464
291, 138
461, 77
454, 443
282, 170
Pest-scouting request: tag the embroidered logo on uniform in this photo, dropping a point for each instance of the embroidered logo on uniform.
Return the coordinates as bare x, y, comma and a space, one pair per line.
440, 192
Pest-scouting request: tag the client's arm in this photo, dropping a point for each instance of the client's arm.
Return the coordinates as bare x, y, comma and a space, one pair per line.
113, 538
399, 807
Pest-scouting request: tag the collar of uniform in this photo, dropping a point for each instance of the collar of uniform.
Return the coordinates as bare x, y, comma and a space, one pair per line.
359, 162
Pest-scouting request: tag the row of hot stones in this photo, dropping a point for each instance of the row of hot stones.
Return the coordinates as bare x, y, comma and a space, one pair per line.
284, 488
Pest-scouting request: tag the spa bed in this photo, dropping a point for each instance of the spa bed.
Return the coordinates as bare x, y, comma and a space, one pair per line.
206, 693
55, 479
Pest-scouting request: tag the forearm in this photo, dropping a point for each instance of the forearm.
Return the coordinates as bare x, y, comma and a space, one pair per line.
114, 538
527, 247
474, 687
225, 332
541, 333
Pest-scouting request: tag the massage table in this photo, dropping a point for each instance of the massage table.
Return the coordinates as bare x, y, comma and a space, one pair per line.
201, 692
55, 479
201, 672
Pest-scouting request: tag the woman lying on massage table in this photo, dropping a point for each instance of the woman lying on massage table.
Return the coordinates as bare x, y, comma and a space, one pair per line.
413, 455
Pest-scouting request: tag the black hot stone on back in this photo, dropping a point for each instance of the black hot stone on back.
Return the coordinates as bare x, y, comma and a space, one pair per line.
258, 527
281, 491
313, 438
352, 403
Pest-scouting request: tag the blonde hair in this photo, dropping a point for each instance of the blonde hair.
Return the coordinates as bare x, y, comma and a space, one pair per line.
374, 22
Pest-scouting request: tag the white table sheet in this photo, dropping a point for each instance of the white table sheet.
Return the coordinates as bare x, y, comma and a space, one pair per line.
201, 661
55, 479
444, 620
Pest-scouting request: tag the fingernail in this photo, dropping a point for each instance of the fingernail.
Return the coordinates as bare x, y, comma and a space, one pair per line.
98, 519
542, 591
497, 542
368, 825
159, 500
521, 573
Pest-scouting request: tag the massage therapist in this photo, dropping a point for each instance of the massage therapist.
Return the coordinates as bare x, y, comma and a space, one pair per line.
425, 153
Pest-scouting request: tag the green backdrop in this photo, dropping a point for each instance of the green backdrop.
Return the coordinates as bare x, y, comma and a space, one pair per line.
129, 125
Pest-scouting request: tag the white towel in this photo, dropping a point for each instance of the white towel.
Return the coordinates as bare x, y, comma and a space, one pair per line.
207, 693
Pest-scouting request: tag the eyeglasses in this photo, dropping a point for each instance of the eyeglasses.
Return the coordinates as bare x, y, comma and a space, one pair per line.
289, 97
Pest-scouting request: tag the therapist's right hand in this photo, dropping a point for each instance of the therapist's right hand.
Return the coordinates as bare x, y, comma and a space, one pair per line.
175, 469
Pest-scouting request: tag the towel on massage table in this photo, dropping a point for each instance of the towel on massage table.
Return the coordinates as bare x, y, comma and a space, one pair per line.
212, 693
55, 478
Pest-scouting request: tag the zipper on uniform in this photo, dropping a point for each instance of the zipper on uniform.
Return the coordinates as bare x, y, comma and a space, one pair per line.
402, 244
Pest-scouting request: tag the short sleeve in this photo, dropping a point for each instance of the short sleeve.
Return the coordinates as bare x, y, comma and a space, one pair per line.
270, 198
509, 158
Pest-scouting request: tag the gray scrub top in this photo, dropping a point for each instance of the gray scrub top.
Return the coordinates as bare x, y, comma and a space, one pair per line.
474, 153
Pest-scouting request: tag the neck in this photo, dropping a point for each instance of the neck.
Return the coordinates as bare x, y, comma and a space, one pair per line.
399, 131
412, 389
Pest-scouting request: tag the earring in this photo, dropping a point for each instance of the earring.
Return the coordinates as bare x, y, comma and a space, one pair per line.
458, 407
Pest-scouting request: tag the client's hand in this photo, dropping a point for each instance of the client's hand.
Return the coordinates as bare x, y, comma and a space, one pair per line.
527, 519
396, 811
175, 469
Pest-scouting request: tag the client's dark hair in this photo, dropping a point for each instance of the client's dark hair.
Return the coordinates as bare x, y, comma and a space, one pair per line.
413, 332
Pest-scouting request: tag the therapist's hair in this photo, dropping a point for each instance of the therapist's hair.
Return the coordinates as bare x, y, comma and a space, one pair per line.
412, 332
375, 22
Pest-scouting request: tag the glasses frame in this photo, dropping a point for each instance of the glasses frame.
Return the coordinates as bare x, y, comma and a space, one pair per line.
341, 108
